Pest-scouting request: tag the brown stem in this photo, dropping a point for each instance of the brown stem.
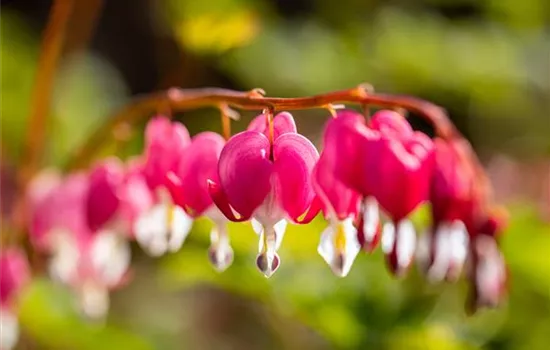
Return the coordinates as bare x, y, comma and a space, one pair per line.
180, 99
50, 53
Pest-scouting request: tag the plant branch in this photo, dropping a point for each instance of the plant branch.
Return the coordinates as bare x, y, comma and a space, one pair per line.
50, 53
185, 99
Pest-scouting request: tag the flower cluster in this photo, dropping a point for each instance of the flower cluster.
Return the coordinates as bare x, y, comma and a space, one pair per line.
368, 179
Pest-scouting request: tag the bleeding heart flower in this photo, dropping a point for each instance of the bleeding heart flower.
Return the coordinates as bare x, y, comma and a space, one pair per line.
443, 250
117, 197
188, 187
488, 275
338, 245
268, 182
165, 225
57, 206
14, 275
391, 163
91, 262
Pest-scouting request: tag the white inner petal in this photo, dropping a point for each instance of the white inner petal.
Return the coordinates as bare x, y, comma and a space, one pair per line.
339, 252
110, 254
180, 227
94, 300
9, 329
256, 226
164, 227
491, 271
63, 265
422, 254
459, 242
371, 218
388, 237
442, 253
406, 242
151, 227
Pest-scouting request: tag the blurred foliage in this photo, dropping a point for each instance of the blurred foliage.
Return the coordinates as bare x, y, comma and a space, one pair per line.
486, 61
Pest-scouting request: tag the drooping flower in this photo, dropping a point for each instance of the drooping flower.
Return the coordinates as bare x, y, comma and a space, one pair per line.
14, 274
338, 245
444, 249
90, 261
188, 186
165, 226
488, 272
268, 181
389, 162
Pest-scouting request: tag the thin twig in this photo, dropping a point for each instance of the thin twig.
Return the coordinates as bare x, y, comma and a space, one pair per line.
50, 53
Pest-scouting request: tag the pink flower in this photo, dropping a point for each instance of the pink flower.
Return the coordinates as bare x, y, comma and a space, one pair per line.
91, 262
188, 186
165, 226
117, 197
488, 273
165, 142
14, 275
444, 249
267, 182
338, 245
57, 206
390, 163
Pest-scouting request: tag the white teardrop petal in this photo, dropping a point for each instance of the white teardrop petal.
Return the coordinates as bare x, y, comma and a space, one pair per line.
180, 226
339, 247
406, 242
110, 254
9, 329
388, 237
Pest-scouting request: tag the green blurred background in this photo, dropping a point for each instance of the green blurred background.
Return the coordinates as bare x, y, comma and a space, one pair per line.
486, 61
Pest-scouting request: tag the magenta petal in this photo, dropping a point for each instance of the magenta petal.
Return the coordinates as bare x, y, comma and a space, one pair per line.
339, 161
103, 198
14, 274
165, 142
391, 123
245, 171
282, 123
220, 199
337, 198
343, 149
63, 208
197, 165
135, 199
312, 211
294, 159
396, 172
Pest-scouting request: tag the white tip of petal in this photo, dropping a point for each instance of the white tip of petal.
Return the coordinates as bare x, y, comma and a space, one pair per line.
63, 264
163, 228
450, 251
94, 300
271, 237
220, 252
9, 329
371, 219
339, 246
256, 226
490, 271
388, 237
110, 256
180, 226
406, 243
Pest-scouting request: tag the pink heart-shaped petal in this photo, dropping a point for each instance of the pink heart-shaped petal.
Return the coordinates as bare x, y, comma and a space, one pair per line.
197, 165
294, 158
282, 123
245, 171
